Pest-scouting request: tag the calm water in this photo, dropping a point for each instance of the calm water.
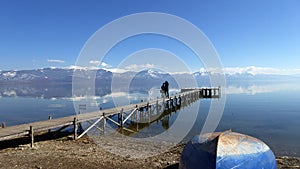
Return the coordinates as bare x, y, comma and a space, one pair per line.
268, 112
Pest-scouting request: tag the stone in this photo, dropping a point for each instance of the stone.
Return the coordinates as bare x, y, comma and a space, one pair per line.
156, 165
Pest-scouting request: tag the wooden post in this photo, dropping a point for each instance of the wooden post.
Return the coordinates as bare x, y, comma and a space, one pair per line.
163, 104
104, 123
136, 113
31, 133
149, 114
3, 125
136, 120
122, 117
156, 106
147, 106
75, 128
50, 118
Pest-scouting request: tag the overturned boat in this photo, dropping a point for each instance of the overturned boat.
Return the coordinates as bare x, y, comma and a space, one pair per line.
224, 150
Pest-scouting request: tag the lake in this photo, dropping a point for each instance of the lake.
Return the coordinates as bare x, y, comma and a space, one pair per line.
270, 112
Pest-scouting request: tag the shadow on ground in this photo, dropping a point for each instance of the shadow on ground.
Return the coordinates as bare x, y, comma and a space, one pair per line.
26, 140
174, 166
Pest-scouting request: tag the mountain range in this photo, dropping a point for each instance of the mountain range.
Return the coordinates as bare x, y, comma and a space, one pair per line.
64, 75
57, 82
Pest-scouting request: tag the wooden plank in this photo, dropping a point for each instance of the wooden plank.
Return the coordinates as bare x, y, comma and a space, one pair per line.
13, 136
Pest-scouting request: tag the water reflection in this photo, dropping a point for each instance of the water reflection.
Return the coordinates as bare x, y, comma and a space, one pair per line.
256, 89
65, 91
141, 127
44, 91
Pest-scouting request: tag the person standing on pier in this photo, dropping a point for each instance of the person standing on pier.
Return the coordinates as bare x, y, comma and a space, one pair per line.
167, 89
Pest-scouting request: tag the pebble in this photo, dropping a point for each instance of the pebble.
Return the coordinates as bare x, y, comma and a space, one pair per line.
156, 165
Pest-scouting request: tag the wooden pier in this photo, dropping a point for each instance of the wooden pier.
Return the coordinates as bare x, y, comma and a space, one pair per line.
144, 112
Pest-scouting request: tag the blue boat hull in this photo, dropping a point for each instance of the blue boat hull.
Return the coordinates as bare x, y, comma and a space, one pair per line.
227, 150
263, 160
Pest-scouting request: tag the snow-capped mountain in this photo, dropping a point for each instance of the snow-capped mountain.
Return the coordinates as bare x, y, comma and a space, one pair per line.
65, 75
45, 75
141, 81
151, 74
57, 82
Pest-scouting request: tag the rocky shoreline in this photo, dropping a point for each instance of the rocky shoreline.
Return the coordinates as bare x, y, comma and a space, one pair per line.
85, 153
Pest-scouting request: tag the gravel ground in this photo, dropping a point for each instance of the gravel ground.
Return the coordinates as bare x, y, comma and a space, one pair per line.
84, 153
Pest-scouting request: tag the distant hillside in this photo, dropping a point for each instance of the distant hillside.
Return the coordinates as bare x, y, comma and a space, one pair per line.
49, 76
50, 82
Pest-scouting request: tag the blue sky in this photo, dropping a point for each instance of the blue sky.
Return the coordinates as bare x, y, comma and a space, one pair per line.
36, 34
